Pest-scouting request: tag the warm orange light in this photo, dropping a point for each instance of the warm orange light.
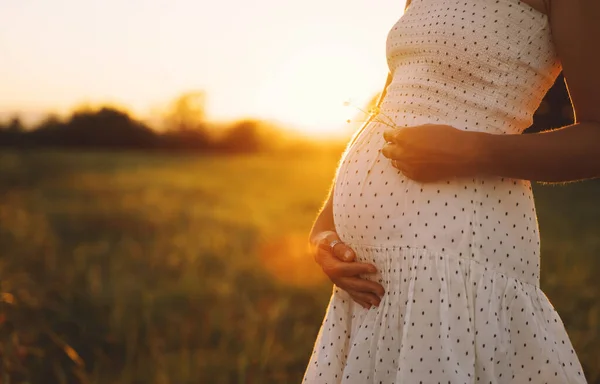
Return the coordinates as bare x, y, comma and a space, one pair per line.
288, 260
309, 89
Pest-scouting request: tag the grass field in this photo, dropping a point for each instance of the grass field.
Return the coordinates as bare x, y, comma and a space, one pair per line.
155, 268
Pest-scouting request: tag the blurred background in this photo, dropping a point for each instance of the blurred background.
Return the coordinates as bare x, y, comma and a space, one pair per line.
161, 164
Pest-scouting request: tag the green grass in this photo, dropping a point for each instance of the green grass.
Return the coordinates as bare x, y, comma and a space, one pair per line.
148, 268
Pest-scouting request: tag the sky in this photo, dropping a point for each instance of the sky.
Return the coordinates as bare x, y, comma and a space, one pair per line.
296, 62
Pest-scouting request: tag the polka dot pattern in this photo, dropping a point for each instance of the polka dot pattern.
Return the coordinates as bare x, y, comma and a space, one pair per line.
459, 259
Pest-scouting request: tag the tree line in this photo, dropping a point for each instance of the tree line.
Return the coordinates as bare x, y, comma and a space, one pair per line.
184, 127
111, 128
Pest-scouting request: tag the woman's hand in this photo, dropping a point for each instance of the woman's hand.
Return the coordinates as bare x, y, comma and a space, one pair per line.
339, 265
433, 152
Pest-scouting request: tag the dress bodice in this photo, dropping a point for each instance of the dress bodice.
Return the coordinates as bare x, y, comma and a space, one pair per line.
475, 64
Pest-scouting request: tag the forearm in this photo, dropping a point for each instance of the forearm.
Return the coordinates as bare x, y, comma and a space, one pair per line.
566, 154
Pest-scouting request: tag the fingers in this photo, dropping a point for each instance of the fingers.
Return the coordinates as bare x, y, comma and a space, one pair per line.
400, 160
340, 250
346, 274
365, 299
323, 239
321, 244
343, 252
339, 265
356, 268
389, 135
333, 267
392, 151
395, 135
401, 166
361, 285
363, 304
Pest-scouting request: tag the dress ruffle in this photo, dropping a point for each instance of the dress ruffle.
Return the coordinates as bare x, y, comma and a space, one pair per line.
483, 326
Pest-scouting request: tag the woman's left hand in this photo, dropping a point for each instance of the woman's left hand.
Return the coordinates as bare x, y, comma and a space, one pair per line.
433, 152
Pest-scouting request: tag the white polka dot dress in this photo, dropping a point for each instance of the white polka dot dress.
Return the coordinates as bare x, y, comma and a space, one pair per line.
459, 259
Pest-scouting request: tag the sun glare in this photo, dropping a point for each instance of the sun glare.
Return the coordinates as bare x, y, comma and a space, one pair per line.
309, 89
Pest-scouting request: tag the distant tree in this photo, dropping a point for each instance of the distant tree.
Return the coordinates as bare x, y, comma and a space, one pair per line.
51, 122
185, 122
110, 127
12, 133
243, 136
15, 125
107, 127
187, 112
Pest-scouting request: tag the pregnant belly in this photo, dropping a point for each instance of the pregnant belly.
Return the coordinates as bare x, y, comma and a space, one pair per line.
484, 218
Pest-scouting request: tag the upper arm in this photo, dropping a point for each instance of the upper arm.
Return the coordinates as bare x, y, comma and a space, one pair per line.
576, 36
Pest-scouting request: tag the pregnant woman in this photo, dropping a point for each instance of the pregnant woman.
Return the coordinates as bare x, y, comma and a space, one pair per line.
430, 231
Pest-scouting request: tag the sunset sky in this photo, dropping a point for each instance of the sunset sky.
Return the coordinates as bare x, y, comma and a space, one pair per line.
294, 61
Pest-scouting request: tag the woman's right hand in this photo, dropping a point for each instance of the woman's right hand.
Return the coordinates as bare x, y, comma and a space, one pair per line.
339, 265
